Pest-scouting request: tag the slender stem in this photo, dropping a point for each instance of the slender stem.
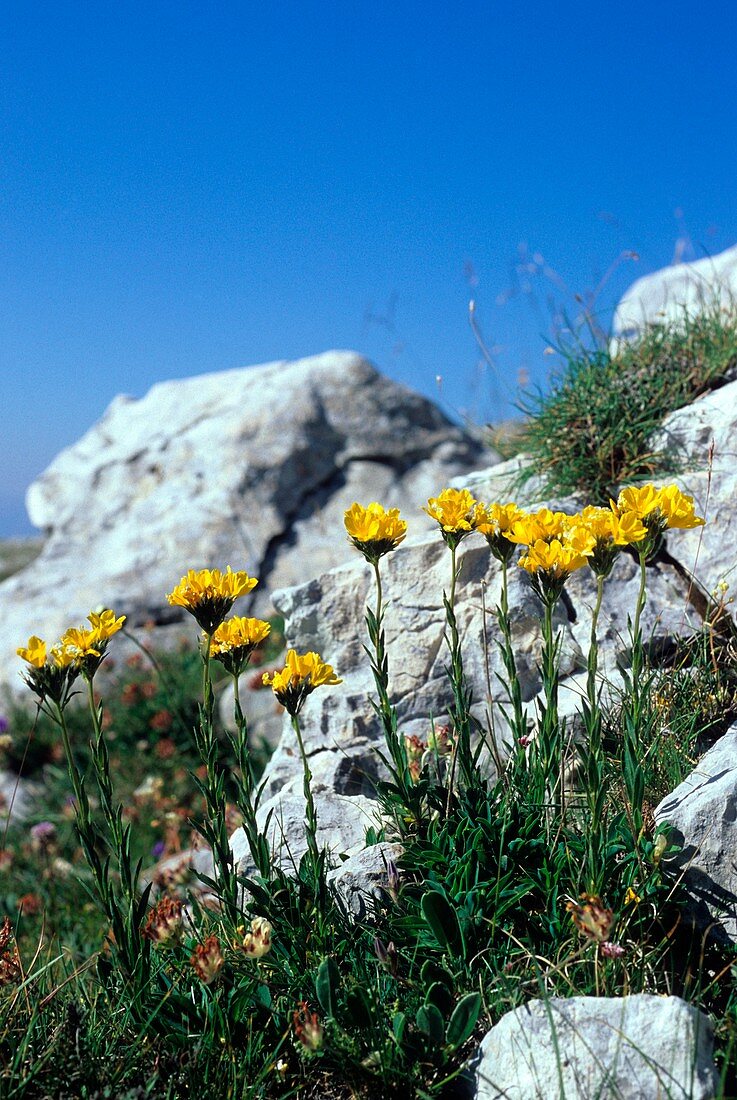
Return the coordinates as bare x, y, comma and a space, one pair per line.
310, 811
519, 718
257, 843
593, 660
591, 752
379, 593
74, 774
637, 649
214, 828
549, 746
460, 712
386, 712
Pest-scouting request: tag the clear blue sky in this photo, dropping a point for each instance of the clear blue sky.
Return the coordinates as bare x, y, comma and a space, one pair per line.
189, 187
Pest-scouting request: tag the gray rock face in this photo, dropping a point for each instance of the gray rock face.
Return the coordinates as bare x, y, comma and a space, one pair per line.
342, 822
667, 294
630, 1048
702, 814
363, 878
251, 468
702, 438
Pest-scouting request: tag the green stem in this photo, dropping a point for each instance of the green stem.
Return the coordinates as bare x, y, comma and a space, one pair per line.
592, 755
245, 785
83, 806
310, 811
131, 949
637, 648
411, 807
593, 658
549, 741
460, 709
513, 686
214, 828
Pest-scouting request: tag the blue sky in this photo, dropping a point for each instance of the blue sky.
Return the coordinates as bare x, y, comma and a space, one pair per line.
190, 187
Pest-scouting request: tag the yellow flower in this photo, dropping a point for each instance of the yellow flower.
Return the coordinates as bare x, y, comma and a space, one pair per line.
632, 897
532, 527
579, 538
80, 643
301, 674
553, 558
549, 565
609, 533
628, 529
494, 522
235, 640
658, 509
640, 499
374, 531
64, 657
453, 509
49, 679
678, 508
208, 594
105, 623
34, 653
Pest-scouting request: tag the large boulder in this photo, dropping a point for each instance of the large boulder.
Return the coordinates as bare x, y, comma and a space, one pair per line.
668, 294
632, 1048
250, 468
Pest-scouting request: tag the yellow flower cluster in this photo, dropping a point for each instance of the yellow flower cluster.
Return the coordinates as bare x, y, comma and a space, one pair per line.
208, 594
555, 543
51, 672
374, 531
301, 674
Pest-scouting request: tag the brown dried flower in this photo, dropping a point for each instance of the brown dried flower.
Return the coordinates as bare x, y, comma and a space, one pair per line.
208, 960
164, 922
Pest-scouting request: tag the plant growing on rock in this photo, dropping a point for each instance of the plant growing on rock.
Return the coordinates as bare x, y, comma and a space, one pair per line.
541, 876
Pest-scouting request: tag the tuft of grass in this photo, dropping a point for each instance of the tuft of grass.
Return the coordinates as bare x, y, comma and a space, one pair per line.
594, 430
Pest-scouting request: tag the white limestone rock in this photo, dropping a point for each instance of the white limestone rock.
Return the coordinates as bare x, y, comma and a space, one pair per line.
341, 826
668, 294
250, 467
629, 1048
702, 815
362, 880
702, 437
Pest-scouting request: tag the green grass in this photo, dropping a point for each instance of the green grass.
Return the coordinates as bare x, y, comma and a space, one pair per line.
593, 431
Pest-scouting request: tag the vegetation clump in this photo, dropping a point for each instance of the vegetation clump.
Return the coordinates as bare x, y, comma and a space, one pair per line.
594, 430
